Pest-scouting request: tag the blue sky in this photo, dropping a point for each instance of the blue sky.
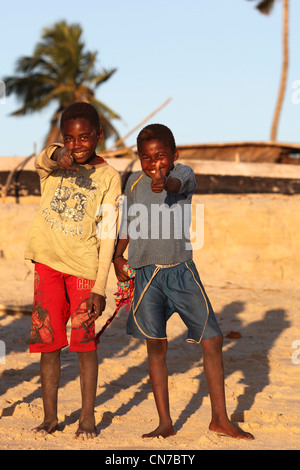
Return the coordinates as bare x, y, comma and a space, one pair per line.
219, 61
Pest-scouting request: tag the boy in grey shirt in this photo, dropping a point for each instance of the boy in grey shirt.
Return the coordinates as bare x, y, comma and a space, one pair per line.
155, 219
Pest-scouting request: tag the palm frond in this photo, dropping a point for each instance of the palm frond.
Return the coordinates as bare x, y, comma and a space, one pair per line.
265, 6
106, 115
61, 71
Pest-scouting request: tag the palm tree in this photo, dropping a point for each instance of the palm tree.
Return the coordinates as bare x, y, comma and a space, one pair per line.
265, 7
60, 71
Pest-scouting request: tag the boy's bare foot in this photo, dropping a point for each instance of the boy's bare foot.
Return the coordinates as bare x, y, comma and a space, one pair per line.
230, 429
86, 430
161, 430
47, 427
82, 434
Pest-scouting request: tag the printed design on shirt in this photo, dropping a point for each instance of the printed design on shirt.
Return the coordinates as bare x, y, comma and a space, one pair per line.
117, 203
69, 203
83, 320
41, 328
61, 195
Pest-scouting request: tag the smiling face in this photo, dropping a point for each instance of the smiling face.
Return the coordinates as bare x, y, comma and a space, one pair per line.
155, 150
82, 137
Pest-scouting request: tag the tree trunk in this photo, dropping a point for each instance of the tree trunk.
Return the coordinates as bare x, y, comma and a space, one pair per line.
284, 71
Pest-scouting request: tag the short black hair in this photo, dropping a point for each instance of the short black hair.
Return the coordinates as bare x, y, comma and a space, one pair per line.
156, 132
78, 110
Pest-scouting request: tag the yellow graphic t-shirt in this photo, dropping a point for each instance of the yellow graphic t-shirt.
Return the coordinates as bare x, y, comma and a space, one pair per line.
76, 227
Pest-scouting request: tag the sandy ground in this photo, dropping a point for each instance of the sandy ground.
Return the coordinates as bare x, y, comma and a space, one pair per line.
249, 265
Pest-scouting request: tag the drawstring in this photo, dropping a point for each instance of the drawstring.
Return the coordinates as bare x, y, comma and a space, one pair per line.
158, 267
156, 270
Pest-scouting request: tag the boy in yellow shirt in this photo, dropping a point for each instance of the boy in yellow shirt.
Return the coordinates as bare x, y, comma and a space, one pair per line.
72, 255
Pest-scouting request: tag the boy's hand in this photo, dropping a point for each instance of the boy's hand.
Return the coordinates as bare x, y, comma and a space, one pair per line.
64, 159
158, 180
118, 265
96, 304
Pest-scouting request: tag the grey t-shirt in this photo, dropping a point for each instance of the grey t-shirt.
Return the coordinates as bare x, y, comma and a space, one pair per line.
158, 223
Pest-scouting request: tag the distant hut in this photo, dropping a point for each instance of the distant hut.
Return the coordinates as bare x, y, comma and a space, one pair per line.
251, 152
232, 168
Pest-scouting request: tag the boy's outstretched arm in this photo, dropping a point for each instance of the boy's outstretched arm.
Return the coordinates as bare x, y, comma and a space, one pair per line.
50, 159
63, 157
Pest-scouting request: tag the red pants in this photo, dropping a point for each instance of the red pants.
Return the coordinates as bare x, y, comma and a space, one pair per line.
57, 297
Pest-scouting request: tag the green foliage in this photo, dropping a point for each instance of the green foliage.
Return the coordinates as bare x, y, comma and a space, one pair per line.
60, 71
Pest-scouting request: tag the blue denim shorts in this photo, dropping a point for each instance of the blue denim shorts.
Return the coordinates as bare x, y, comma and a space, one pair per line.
161, 291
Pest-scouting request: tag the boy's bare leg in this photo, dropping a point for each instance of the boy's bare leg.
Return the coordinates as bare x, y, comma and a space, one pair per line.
50, 374
213, 368
88, 370
157, 350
